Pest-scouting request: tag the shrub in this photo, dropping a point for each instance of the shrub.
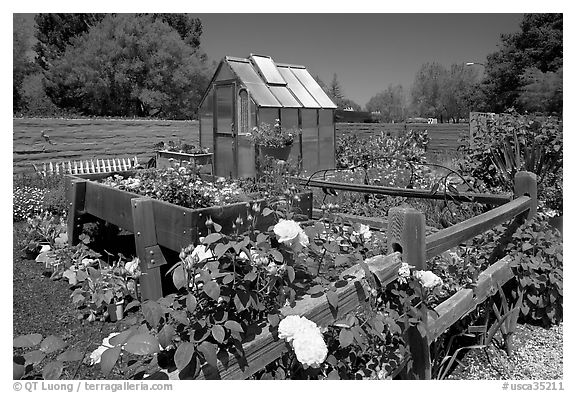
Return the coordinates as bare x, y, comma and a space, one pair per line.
512, 143
537, 252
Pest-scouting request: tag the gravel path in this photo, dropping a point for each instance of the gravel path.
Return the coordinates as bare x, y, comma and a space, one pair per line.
537, 354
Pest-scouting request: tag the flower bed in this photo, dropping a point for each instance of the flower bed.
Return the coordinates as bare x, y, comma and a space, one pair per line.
132, 202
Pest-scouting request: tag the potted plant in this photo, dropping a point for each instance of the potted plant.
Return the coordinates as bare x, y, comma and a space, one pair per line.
181, 152
273, 140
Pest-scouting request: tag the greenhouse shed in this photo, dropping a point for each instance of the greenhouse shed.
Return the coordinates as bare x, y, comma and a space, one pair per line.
246, 93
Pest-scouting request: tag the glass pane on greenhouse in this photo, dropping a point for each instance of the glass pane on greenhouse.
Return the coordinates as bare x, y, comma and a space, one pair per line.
268, 115
245, 72
313, 88
309, 139
224, 105
224, 156
268, 70
225, 73
262, 95
289, 118
298, 89
246, 157
286, 98
206, 122
243, 112
326, 139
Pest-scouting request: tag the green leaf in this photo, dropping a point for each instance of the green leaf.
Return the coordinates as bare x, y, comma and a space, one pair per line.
273, 319
251, 276
71, 276
277, 255
34, 357
183, 354
233, 326
18, 370
228, 278
179, 277
341, 260
70, 356
218, 333
316, 289
220, 250
142, 344
27, 341
267, 211
131, 305
180, 316
346, 337
291, 273
109, 359
212, 290
209, 351
53, 370
152, 312
212, 238
191, 303
332, 297
52, 344
122, 337
166, 335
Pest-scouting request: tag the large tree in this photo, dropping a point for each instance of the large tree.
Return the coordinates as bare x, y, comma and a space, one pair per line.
129, 66
55, 32
538, 45
457, 92
391, 103
427, 90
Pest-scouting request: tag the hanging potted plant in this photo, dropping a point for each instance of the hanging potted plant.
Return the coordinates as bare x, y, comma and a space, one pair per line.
273, 140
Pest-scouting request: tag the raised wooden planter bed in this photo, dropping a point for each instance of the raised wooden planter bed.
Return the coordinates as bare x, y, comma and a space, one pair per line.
157, 225
164, 157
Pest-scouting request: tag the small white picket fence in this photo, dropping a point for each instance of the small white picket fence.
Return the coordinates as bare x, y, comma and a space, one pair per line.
86, 166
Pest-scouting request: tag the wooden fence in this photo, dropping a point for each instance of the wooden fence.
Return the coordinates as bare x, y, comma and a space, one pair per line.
86, 167
38, 141
406, 243
444, 137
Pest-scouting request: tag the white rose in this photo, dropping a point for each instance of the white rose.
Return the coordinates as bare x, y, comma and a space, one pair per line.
286, 230
306, 339
365, 231
310, 348
290, 233
427, 278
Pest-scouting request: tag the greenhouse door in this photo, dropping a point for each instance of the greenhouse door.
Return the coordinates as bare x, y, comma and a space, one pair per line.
224, 132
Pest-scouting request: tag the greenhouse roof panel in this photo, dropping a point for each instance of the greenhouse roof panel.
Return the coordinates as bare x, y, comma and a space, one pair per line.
279, 85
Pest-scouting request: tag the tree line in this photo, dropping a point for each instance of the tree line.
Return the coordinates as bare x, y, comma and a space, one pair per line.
525, 74
152, 65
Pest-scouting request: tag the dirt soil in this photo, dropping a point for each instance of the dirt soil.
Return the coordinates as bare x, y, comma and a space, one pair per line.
43, 306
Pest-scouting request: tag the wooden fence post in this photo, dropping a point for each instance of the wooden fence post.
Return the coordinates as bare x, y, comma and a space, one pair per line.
407, 234
147, 248
76, 191
525, 183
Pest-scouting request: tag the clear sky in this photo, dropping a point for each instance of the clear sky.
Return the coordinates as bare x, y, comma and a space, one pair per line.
366, 51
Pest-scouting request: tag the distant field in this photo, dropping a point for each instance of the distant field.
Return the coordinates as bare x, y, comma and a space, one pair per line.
93, 138
100, 138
